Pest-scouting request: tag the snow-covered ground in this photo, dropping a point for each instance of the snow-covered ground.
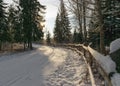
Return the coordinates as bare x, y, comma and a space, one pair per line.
46, 66
72, 72
107, 63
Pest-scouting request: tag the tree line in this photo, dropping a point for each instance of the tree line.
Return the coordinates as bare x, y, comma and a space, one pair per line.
96, 21
21, 22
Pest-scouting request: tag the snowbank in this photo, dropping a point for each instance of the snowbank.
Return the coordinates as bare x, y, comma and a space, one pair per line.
115, 45
105, 61
116, 79
108, 65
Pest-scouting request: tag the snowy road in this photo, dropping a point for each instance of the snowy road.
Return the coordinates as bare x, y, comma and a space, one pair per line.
39, 67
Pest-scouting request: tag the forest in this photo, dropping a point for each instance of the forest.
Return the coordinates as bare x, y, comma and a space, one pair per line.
92, 21
83, 50
21, 22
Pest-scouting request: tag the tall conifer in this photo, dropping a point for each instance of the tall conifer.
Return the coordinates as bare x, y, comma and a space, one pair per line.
3, 24
32, 18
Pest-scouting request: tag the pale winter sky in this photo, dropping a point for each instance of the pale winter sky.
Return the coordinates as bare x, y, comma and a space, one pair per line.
51, 12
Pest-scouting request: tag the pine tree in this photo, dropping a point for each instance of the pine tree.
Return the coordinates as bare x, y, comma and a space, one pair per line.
18, 26
32, 18
3, 25
111, 19
110, 22
48, 39
77, 36
65, 24
11, 24
58, 30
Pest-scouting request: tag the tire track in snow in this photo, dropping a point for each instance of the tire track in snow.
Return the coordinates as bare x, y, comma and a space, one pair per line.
16, 79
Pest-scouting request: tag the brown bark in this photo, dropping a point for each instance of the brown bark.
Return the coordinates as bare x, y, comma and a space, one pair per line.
101, 24
84, 18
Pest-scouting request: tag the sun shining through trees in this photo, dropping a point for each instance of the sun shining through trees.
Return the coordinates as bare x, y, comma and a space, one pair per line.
28, 21
23, 20
59, 42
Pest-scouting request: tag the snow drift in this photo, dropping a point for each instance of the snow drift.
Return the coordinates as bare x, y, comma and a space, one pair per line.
105, 61
115, 45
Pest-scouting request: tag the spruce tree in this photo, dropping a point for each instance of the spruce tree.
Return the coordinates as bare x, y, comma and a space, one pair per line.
110, 14
11, 23
111, 19
62, 33
4, 37
75, 36
65, 24
32, 18
48, 39
58, 30
18, 26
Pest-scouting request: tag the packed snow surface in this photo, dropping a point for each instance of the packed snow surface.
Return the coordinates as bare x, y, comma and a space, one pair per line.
45, 66
115, 45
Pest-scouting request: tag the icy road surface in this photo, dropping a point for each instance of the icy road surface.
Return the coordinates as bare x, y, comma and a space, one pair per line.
46, 66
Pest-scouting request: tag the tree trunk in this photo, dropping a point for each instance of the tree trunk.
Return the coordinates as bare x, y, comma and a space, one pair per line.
102, 47
24, 46
79, 13
11, 46
31, 46
28, 44
100, 19
0, 45
84, 18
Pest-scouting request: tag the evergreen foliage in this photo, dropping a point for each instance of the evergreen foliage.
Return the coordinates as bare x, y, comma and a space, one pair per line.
13, 16
21, 22
111, 22
77, 37
4, 36
48, 39
58, 30
62, 33
32, 18
65, 24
